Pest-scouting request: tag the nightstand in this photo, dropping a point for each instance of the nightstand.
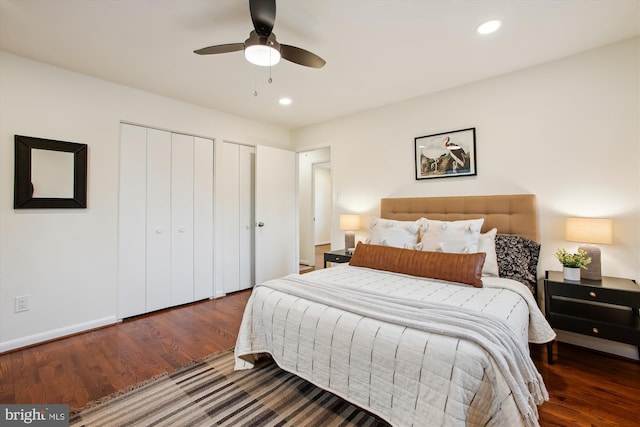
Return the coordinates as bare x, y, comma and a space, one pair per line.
339, 255
606, 308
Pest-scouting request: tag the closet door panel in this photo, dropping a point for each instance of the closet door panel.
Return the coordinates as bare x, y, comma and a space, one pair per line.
158, 262
182, 149
230, 200
132, 228
203, 219
246, 189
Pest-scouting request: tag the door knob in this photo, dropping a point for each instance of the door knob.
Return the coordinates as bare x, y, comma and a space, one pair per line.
261, 224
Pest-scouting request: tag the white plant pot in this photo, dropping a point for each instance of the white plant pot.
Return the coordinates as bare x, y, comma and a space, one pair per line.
571, 273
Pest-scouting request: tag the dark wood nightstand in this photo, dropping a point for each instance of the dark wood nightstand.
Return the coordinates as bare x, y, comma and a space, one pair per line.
606, 308
339, 255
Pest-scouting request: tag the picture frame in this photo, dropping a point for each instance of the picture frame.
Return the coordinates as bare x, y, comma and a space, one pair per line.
446, 155
49, 174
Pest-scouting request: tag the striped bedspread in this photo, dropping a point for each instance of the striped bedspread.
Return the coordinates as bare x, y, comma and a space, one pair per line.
414, 351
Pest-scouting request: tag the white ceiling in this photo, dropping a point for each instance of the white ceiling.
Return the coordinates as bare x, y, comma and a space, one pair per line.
377, 51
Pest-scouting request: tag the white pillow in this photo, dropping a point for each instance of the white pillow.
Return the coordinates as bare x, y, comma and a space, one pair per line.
487, 244
451, 236
389, 232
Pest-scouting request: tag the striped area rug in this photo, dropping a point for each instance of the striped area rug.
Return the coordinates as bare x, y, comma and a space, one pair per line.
212, 393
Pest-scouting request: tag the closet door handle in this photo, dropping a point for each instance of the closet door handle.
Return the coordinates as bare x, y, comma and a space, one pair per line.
261, 224
158, 230
181, 230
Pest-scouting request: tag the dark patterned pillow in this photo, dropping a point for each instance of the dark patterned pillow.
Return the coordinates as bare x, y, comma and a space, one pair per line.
518, 259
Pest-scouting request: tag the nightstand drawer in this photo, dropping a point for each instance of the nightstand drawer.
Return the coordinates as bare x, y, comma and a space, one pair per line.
338, 256
596, 294
596, 328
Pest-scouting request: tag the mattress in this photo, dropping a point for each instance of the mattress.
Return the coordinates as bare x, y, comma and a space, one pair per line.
414, 351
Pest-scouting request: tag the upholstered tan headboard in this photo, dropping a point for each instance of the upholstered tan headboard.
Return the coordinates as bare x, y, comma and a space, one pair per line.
510, 214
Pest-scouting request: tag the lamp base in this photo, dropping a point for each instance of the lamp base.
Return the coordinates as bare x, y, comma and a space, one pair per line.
593, 271
349, 241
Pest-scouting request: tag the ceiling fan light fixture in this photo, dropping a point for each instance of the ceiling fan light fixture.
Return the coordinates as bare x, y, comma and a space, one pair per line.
262, 55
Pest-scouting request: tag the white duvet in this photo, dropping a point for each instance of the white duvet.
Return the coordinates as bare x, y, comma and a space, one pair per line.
414, 351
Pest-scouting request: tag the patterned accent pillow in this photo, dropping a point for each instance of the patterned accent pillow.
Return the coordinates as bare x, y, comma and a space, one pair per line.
398, 234
518, 259
487, 244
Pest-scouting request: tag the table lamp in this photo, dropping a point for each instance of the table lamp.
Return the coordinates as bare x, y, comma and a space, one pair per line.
349, 223
590, 231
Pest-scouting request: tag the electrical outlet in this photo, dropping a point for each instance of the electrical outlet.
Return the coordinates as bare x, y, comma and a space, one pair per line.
22, 303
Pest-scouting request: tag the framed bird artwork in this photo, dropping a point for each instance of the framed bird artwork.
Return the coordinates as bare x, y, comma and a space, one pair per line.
446, 155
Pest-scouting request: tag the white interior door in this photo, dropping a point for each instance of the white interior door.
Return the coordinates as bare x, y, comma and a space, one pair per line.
276, 224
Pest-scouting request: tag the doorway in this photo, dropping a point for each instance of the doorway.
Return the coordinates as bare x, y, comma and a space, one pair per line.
315, 196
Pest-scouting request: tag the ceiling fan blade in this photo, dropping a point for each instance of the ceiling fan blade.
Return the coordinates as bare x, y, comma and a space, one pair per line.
263, 16
221, 48
301, 56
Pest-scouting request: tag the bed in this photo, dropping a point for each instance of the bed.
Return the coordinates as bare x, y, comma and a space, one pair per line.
417, 333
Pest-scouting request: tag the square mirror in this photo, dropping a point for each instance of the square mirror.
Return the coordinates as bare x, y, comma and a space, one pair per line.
49, 174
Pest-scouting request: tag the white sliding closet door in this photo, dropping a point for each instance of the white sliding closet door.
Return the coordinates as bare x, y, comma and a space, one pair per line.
182, 171
159, 273
166, 220
246, 186
230, 199
236, 167
203, 219
132, 255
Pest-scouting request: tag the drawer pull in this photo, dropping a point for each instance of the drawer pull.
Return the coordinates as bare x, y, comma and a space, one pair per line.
595, 330
592, 294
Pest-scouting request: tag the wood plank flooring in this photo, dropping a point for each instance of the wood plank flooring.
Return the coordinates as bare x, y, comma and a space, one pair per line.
586, 388
88, 366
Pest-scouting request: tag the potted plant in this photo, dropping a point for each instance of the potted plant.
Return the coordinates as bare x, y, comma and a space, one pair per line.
572, 263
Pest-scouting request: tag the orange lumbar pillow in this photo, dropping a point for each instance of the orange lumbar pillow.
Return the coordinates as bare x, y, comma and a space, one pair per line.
452, 267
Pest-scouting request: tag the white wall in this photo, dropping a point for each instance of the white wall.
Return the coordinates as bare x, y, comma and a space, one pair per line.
567, 131
66, 259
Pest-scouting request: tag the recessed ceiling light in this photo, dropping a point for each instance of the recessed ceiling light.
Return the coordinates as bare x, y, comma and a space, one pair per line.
489, 27
285, 101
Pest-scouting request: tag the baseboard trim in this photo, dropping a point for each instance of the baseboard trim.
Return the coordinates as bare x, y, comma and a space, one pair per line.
56, 334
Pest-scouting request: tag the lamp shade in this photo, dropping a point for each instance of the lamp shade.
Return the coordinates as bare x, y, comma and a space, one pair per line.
589, 230
349, 222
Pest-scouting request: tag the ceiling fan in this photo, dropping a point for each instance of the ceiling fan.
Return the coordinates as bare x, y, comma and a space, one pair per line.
261, 48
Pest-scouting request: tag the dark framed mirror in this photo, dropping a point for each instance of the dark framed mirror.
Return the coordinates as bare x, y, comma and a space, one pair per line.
49, 174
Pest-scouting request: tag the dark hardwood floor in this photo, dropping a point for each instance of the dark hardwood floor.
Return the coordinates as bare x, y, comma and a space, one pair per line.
586, 388
88, 366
